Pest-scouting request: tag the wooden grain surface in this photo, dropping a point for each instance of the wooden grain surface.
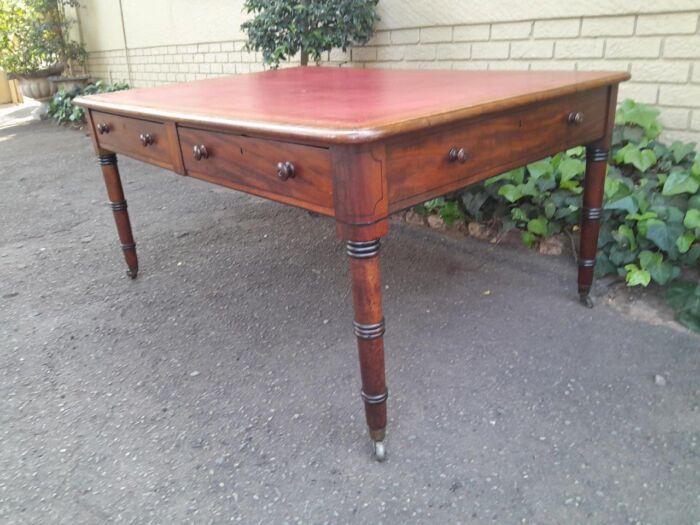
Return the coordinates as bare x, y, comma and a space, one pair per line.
344, 105
418, 167
251, 163
123, 137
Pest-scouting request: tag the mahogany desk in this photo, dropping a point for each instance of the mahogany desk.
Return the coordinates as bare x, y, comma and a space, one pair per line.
357, 145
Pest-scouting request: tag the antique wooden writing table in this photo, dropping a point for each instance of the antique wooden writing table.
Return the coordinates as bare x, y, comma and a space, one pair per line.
357, 145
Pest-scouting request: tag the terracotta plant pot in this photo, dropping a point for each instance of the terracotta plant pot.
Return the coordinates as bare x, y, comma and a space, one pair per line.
69, 83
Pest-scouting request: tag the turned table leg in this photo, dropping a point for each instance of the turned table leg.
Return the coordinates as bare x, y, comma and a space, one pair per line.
591, 214
369, 329
108, 162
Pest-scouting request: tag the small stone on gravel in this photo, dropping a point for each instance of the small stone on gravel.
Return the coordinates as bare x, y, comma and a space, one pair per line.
437, 222
414, 218
551, 246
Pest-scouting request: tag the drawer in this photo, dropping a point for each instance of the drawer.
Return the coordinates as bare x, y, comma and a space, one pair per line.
252, 165
419, 168
141, 139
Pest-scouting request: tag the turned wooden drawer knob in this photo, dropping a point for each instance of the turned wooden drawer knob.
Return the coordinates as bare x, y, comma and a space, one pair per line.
575, 119
200, 152
102, 128
285, 170
146, 139
457, 155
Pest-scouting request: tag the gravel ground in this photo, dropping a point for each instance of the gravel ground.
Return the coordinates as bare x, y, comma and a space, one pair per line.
222, 385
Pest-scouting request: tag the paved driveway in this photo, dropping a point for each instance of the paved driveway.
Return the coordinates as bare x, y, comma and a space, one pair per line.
222, 385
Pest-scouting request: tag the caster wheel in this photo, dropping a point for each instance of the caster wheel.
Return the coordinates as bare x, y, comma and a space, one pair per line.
132, 272
586, 301
313, 214
379, 451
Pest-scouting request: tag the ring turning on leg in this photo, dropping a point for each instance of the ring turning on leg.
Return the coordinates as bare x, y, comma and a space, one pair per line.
591, 214
110, 172
369, 330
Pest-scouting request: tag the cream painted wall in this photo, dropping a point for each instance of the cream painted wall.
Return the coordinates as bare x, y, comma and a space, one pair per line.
101, 25
421, 13
5, 94
159, 22
171, 22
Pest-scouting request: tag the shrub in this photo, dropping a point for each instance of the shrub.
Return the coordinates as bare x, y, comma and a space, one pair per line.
651, 224
62, 109
34, 36
282, 28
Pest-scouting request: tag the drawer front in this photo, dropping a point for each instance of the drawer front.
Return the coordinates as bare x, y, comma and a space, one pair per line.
141, 139
419, 168
252, 165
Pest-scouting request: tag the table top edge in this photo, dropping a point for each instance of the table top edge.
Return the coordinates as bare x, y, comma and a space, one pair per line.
338, 134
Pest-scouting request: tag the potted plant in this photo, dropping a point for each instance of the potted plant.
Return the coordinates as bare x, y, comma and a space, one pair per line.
72, 53
34, 43
283, 28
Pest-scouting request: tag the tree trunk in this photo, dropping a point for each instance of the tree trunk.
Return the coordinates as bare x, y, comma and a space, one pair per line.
304, 58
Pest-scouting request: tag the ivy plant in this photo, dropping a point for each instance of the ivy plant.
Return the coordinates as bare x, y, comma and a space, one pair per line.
283, 28
62, 109
651, 226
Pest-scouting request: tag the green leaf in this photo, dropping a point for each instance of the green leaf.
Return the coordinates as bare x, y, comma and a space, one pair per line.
550, 209
626, 203
578, 151
692, 256
538, 226
603, 266
518, 214
516, 176
694, 202
661, 271
684, 298
649, 259
633, 134
664, 273
528, 238
625, 234
662, 234
510, 193
434, 203
642, 159
473, 201
451, 213
680, 151
612, 187
540, 168
570, 168
657, 232
641, 115
692, 219
641, 217
684, 242
636, 276
671, 214
680, 182
571, 185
